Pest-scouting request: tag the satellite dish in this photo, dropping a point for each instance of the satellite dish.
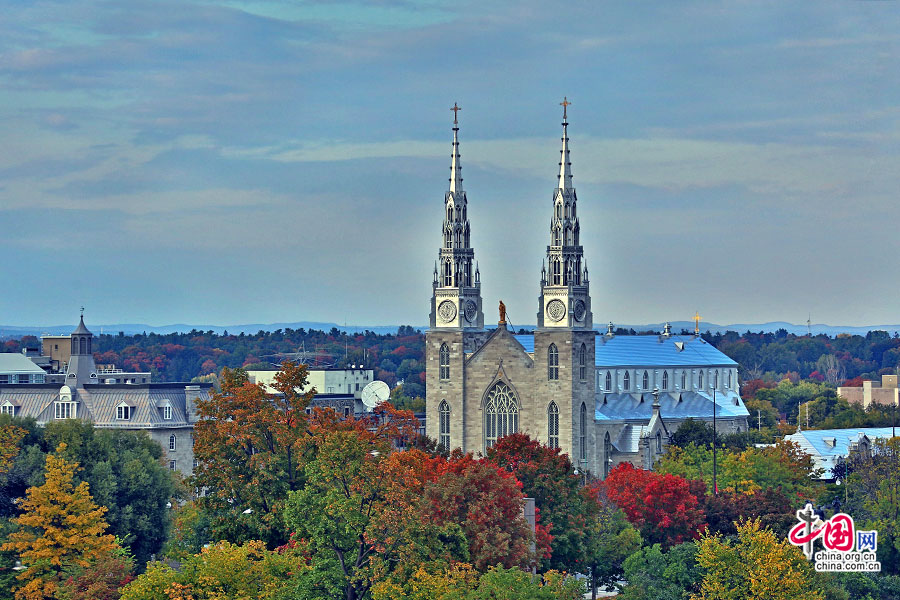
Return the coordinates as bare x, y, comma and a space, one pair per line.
375, 393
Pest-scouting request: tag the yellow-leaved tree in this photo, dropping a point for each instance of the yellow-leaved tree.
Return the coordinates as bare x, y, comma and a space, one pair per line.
10, 443
760, 566
61, 528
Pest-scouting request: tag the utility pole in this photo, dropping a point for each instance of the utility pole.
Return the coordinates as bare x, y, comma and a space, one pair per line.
759, 420
715, 385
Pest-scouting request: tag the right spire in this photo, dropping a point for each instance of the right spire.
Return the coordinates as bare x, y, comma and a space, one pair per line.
565, 298
565, 163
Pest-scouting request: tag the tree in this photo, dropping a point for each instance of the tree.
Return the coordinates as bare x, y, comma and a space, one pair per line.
566, 509
223, 571
693, 431
656, 575
664, 507
101, 580
759, 565
61, 528
11, 437
487, 503
612, 539
250, 446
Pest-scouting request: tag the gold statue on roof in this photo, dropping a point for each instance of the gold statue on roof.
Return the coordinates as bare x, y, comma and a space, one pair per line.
502, 313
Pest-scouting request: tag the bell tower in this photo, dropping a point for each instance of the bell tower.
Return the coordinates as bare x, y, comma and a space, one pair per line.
456, 289
565, 300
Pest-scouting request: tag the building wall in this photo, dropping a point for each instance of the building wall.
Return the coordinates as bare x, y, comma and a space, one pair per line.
450, 390
885, 395
183, 455
57, 347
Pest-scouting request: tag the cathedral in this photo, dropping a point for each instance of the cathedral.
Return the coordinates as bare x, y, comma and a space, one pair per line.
599, 397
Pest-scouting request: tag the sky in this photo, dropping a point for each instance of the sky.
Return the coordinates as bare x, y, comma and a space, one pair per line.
225, 162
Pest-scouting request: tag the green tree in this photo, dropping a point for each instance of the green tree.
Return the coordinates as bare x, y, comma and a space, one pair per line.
652, 574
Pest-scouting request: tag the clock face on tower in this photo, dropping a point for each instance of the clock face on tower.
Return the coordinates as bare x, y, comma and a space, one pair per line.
556, 310
447, 311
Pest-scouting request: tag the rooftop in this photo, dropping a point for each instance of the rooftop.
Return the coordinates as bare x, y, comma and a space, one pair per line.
14, 363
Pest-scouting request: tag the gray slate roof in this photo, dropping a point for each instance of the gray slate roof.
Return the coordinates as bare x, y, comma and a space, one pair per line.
649, 351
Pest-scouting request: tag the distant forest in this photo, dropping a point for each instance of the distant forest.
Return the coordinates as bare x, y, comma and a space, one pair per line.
765, 357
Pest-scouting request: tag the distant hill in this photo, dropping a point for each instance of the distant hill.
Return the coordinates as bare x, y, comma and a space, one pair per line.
17, 331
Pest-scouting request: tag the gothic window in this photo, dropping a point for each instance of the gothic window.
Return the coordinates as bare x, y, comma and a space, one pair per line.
450, 213
715, 382
608, 381
468, 273
556, 273
683, 379
658, 442
445, 362
448, 274
172, 443
700, 385
558, 211
607, 451
83, 346
577, 269
627, 382
665, 381
74, 345
729, 379
582, 432
553, 425
645, 382
556, 240
501, 414
582, 363
552, 363
448, 239
444, 433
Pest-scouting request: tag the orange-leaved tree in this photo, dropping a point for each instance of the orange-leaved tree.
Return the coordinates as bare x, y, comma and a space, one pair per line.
11, 438
61, 528
249, 444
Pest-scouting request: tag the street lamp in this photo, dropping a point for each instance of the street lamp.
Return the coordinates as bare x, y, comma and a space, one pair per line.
714, 386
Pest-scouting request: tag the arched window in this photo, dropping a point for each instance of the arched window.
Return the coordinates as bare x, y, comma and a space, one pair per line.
83, 346
608, 381
582, 432
700, 384
665, 382
582, 363
627, 382
89, 345
556, 237
553, 425
552, 363
556, 273
172, 443
658, 442
729, 378
445, 362
559, 211
444, 433
74, 345
683, 379
645, 382
448, 274
501, 414
448, 239
607, 458
449, 212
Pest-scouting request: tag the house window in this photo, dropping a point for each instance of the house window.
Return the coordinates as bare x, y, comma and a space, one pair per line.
123, 412
444, 422
645, 382
173, 442
608, 381
167, 412
8, 409
627, 382
23, 379
582, 363
172, 465
346, 411
501, 414
553, 425
64, 410
445, 362
582, 432
665, 382
552, 363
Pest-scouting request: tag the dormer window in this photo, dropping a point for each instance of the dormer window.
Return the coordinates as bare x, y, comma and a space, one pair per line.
8, 409
167, 412
64, 410
123, 412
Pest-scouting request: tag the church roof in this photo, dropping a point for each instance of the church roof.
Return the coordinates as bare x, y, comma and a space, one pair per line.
649, 351
673, 405
826, 445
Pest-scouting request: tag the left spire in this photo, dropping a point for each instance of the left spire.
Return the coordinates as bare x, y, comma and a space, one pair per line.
455, 168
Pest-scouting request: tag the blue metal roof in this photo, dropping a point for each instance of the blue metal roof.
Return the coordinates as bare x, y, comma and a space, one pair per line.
649, 351
826, 445
672, 405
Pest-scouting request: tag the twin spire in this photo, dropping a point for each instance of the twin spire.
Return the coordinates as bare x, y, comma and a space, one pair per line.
565, 164
455, 167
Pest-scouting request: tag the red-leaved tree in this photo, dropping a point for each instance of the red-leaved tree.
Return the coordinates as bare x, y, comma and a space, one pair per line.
666, 508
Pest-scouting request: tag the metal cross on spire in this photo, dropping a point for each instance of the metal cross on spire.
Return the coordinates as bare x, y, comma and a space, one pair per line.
697, 318
455, 110
565, 104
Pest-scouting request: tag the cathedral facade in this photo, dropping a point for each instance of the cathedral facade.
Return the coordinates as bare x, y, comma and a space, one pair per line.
601, 399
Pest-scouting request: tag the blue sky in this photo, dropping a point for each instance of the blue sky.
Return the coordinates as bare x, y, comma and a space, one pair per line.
233, 162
